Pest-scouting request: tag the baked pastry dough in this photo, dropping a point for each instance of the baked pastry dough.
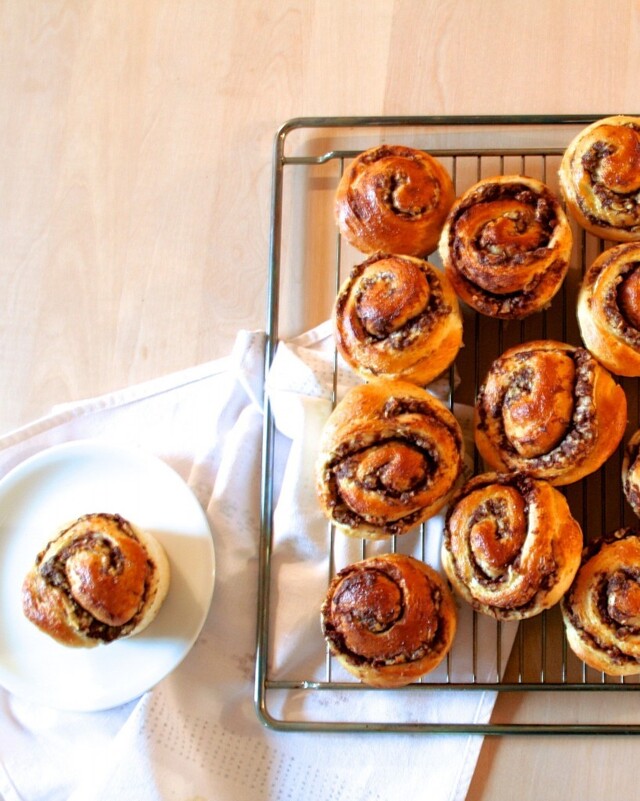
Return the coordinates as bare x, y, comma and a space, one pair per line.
390, 456
100, 579
601, 611
600, 178
631, 472
511, 547
393, 199
389, 619
548, 409
397, 317
609, 309
506, 246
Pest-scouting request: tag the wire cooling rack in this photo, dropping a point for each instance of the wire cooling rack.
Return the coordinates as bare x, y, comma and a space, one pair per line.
308, 261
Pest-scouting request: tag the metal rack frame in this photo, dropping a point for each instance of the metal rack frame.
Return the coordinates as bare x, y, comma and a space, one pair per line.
539, 659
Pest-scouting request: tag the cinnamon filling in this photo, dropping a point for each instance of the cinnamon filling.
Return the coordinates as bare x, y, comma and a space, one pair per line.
92, 560
631, 486
568, 425
485, 532
612, 164
403, 196
617, 600
537, 412
393, 469
501, 246
393, 302
367, 621
629, 297
497, 531
404, 191
522, 221
388, 299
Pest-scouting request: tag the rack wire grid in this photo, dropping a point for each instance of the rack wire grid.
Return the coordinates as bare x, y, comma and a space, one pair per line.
308, 261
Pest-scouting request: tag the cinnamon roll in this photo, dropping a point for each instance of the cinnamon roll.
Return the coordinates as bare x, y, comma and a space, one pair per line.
631, 472
506, 246
390, 456
548, 409
100, 579
397, 317
600, 178
393, 199
601, 610
389, 619
511, 547
609, 309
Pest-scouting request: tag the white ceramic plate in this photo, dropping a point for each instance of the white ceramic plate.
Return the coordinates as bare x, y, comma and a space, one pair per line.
56, 486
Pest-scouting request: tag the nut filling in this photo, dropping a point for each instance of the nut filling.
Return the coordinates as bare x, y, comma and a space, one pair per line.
395, 187
398, 470
512, 378
605, 613
56, 572
599, 165
503, 244
499, 545
621, 313
366, 605
397, 466
392, 307
631, 473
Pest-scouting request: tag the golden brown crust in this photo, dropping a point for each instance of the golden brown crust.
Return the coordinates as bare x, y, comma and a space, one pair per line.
393, 199
397, 317
548, 409
600, 178
609, 309
99, 580
390, 456
601, 611
511, 547
631, 472
506, 246
389, 619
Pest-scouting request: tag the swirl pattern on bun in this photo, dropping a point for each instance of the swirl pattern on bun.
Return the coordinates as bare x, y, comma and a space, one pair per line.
601, 610
548, 409
511, 547
397, 317
389, 619
390, 457
393, 199
631, 472
600, 178
506, 246
99, 580
609, 309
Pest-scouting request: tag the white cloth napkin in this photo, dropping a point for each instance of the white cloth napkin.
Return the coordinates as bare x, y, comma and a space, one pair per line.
196, 735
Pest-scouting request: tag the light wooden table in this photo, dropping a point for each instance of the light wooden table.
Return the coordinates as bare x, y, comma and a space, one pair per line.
135, 170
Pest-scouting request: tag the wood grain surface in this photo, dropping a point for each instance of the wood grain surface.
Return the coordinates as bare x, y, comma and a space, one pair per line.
135, 172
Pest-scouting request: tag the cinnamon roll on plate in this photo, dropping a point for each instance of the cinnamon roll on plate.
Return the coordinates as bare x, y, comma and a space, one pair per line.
601, 610
600, 178
506, 246
87, 581
100, 579
390, 456
609, 309
511, 547
389, 619
548, 409
393, 199
397, 317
